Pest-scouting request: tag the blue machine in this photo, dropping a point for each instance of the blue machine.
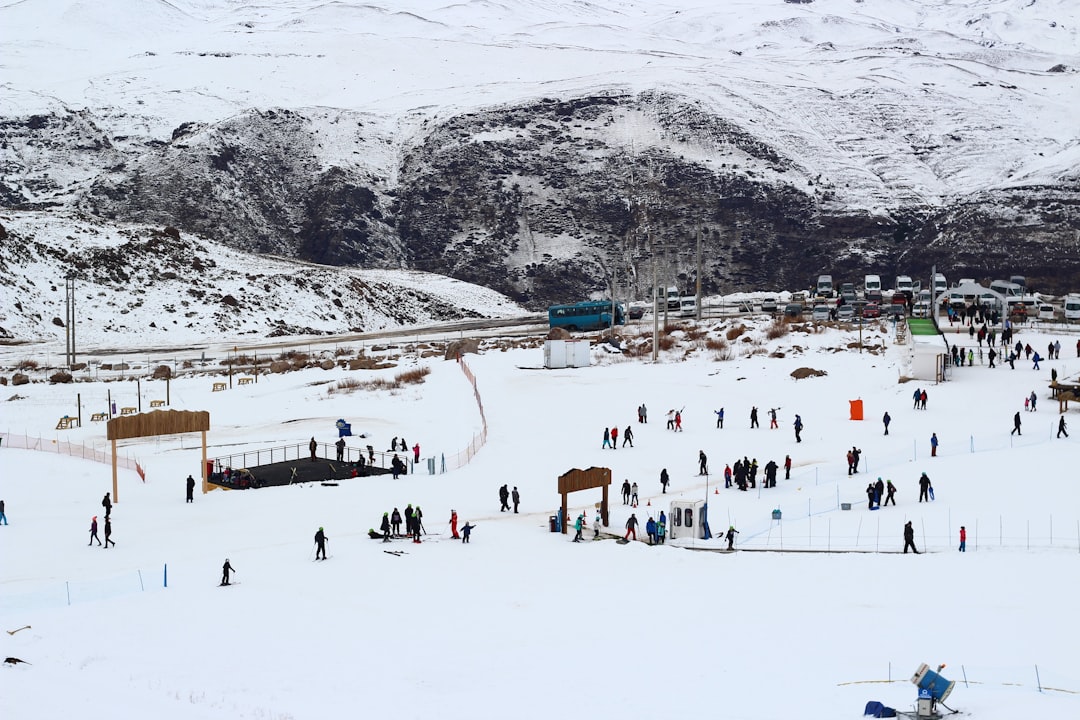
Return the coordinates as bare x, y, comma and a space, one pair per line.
932, 684
344, 428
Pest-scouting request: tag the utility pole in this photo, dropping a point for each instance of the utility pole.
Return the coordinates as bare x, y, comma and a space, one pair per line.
698, 289
69, 318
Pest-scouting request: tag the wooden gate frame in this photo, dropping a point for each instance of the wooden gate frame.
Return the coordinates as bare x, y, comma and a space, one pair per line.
575, 480
159, 422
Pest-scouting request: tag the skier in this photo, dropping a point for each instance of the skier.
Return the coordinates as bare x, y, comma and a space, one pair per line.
107, 504
225, 570
453, 525
798, 428
596, 527
466, 530
933, 444
664, 479
108, 533
614, 438
395, 522
719, 417
418, 523
650, 530
1061, 427
631, 527
1016, 424
340, 447
504, 496
772, 419
890, 491
320, 543
313, 446
703, 463
661, 529
924, 488
909, 538
730, 536
626, 492
385, 527
516, 497
190, 489
633, 495
579, 523
628, 436
963, 539
93, 531
753, 417
885, 420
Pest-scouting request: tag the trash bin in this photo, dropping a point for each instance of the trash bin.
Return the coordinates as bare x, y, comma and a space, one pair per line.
776, 514
553, 522
845, 506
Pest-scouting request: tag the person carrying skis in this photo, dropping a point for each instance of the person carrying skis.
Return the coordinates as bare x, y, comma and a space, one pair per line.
773, 425
225, 570
93, 531
320, 545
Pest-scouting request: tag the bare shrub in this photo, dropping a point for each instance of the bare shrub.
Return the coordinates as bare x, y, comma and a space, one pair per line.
27, 364
346, 385
777, 329
412, 377
716, 344
338, 352
735, 332
381, 384
723, 354
695, 333
666, 342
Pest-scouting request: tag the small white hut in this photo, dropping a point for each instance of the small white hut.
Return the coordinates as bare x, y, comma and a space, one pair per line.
566, 353
684, 520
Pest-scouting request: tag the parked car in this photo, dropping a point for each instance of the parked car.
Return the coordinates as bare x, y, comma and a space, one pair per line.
637, 312
845, 313
872, 310
896, 310
793, 310
821, 313
873, 296
768, 304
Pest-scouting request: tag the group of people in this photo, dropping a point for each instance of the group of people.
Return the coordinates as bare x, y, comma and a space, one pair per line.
414, 523
507, 496
611, 437
773, 422
106, 502
743, 474
656, 530
875, 490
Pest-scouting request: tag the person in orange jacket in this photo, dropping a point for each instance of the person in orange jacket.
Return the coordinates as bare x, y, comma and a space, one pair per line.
453, 525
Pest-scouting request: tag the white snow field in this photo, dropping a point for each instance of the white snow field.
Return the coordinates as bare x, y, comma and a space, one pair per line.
522, 622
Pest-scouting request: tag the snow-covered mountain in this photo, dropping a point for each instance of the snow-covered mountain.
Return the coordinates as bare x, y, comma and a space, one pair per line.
549, 149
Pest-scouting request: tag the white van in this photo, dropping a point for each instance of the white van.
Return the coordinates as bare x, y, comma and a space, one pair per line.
940, 284
688, 307
1072, 308
903, 285
1006, 288
871, 283
824, 286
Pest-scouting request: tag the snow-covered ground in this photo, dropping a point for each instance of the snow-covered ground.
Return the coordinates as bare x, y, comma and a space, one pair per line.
521, 622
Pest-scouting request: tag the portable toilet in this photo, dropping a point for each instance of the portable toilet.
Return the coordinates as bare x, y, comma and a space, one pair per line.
856, 409
684, 520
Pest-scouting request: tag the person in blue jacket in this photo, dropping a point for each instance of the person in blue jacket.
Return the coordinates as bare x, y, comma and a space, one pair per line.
650, 530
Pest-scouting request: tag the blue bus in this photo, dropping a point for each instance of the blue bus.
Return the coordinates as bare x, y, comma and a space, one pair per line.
588, 315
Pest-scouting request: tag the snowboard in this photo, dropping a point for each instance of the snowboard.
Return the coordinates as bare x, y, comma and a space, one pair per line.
623, 541
229, 584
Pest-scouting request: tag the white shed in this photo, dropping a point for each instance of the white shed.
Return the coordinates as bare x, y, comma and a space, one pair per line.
566, 353
684, 520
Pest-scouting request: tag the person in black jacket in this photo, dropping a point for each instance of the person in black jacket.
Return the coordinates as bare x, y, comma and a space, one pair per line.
870, 496
516, 497
108, 533
225, 570
320, 544
626, 491
107, 504
909, 538
504, 496
664, 480
395, 521
190, 489
385, 527
924, 488
879, 490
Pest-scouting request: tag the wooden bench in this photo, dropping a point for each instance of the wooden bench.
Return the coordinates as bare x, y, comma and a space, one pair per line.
66, 423
127, 411
98, 417
218, 387
244, 381
157, 403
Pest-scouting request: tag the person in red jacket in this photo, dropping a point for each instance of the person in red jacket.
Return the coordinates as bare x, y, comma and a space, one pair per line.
453, 525
963, 539
614, 437
416, 452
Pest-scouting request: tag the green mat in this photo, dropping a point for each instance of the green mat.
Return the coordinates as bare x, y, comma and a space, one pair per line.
921, 326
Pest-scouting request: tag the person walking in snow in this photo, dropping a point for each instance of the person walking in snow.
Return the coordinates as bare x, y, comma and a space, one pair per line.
607, 439
108, 534
890, 492
909, 538
730, 536
924, 488
753, 418
320, 545
933, 444
1035, 358
1034, 398
993, 356
798, 428
963, 539
719, 418
922, 400
650, 530
1016, 425
917, 396
664, 479
644, 414
626, 492
671, 419
93, 531
787, 467
633, 495
1061, 427
466, 531
107, 504
631, 527
628, 436
504, 496
225, 570
515, 496
190, 497
885, 420
313, 447
579, 523
615, 438
703, 463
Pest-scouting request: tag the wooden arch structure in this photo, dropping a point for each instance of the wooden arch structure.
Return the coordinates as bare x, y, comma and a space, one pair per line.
575, 480
159, 422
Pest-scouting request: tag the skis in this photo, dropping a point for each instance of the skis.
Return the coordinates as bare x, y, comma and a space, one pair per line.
228, 584
395, 553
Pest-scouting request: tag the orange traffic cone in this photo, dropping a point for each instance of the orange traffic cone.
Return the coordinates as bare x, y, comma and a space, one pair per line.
716, 491
648, 503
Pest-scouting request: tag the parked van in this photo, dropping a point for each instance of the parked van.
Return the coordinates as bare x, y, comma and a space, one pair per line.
824, 286
1072, 308
903, 285
1019, 280
940, 284
871, 283
688, 307
1007, 288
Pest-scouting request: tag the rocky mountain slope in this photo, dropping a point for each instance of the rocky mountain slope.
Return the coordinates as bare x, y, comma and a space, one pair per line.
557, 149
